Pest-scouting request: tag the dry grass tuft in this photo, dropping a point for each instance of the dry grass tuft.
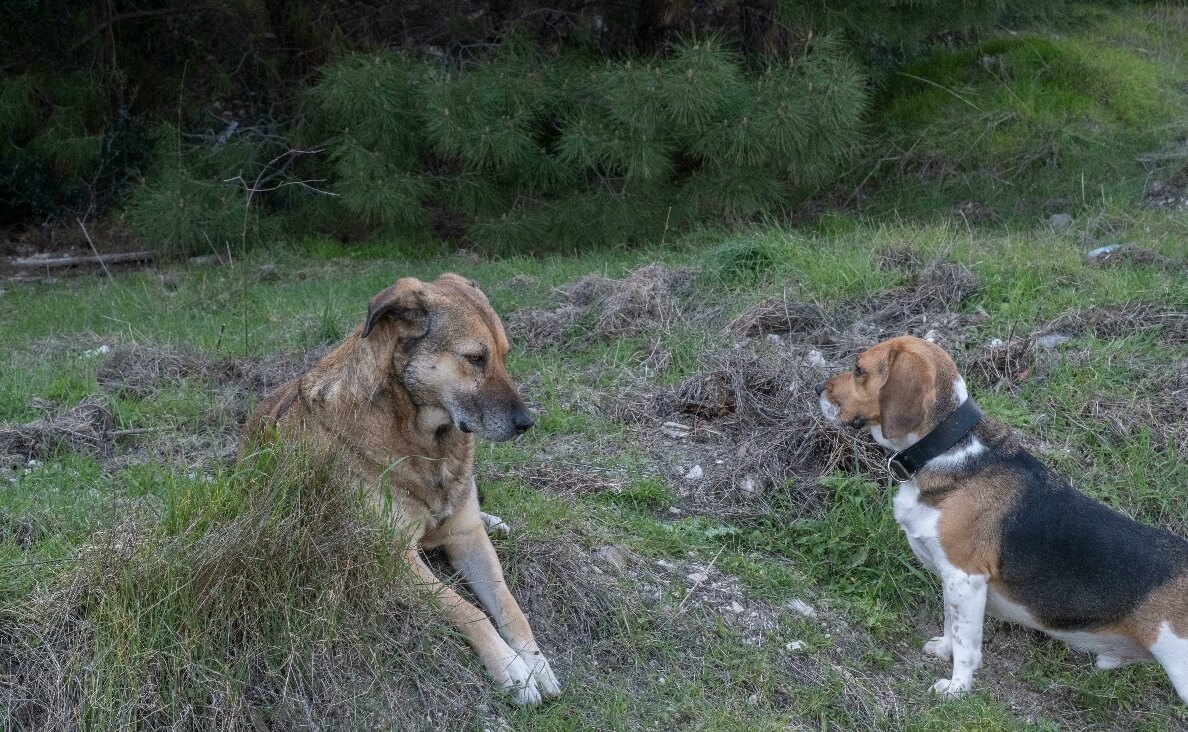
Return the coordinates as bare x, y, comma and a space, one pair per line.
537, 328
781, 316
1129, 254
141, 370
756, 413
1004, 365
1170, 325
84, 427
939, 287
646, 299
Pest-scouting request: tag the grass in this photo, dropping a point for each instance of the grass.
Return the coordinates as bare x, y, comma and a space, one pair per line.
1034, 123
629, 660
175, 588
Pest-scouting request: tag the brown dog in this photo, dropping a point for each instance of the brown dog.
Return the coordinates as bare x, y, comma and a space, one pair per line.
1006, 535
398, 402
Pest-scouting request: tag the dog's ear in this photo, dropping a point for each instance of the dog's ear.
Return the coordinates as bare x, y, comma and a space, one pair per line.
907, 393
404, 301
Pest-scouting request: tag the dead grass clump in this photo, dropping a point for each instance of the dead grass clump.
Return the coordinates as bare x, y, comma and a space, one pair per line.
939, 287
781, 316
140, 371
587, 291
534, 328
925, 308
84, 427
1131, 254
707, 395
1170, 325
1002, 365
904, 260
762, 424
644, 299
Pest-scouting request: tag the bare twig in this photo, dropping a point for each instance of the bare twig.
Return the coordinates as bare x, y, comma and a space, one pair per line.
87, 234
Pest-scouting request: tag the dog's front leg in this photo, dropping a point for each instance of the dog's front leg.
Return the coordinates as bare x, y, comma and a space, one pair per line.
942, 646
965, 604
504, 665
471, 553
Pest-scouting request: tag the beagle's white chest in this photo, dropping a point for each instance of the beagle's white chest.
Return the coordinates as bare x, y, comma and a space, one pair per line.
919, 522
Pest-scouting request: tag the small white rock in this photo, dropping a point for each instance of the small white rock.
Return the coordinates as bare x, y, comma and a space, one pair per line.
735, 607
1060, 221
793, 646
675, 429
753, 699
816, 358
695, 473
697, 577
996, 343
774, 339
1050, 341
931, 336
100, 351
800, 607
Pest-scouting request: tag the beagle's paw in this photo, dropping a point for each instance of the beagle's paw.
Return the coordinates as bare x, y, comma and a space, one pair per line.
949, 688
939, 647
495, 525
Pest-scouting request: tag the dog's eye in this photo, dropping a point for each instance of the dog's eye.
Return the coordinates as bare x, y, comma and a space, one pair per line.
857, 370
477, 359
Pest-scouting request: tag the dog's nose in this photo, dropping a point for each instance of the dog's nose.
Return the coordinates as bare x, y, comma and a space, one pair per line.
820, 388
522, 421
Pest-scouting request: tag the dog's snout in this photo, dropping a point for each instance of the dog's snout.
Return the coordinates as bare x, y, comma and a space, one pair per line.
522, 420
820, 388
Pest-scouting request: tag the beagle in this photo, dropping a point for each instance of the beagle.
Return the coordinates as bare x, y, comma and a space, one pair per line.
1004, 533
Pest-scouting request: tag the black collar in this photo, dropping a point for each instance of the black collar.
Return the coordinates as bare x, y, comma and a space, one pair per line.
906, 463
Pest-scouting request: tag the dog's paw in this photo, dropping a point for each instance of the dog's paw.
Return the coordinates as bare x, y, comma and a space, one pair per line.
949, 688
939, 647
1110, 662
542, 673
495, 525
515, 675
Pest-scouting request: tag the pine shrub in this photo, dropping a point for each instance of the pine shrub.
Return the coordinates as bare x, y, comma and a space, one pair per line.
193, 204
53, 128
526, 152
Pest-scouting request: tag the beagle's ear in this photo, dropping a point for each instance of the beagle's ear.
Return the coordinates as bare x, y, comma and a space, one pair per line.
403, 301
907, 394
